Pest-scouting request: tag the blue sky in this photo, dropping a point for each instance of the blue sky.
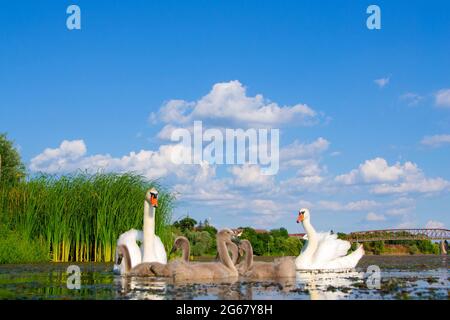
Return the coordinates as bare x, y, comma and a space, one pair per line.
373, 156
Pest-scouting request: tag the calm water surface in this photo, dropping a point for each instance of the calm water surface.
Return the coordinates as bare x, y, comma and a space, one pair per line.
402, 277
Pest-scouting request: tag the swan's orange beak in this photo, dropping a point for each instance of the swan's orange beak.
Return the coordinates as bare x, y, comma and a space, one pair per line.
301, 217
154, 200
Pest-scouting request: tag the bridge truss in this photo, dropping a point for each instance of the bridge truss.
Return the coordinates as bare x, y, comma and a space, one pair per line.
399, 234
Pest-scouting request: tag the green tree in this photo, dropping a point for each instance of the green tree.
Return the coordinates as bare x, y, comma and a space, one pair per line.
342, 236
12, 169
427, 247
258, 244
378, 247
280, 233
185, 224
413, 249
293, 246
201, 242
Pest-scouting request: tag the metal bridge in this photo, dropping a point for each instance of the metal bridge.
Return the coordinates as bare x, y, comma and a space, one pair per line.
399, 234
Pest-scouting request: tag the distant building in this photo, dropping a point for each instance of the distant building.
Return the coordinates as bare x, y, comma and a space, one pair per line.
258, 231
297, 235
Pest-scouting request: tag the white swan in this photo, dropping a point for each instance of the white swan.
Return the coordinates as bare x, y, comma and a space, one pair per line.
152, 248
129, 240
324, 251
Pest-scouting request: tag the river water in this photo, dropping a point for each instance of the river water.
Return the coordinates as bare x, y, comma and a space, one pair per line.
401, 277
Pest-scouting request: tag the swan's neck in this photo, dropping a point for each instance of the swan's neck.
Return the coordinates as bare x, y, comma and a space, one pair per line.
248, 255
224, 255
234, 250
186, 251
149, 231
126, 259
311, 245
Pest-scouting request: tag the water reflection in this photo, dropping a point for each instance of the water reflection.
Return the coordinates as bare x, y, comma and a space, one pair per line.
329, 285
232, 289
141, 288
415, 277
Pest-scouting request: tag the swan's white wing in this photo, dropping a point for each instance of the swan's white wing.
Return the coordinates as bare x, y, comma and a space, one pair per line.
129, 239
329, 248
160, 251
129, 236
347, 262
320, 236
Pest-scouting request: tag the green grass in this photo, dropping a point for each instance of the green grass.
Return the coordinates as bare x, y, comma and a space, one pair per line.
15, 249
79, 217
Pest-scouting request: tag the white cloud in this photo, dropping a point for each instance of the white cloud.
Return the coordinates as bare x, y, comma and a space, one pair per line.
400, 211
375, 170
336, 153
166, 132
251, 176
431, 224
398, 178
398, 207
305, 158
307, 168
71, 156
406, 225
436, 140
228, 104
297, 150
411, 98
213, 192
442, 98
371, 216
420, 185
382, 82
361, 205
301, 183
53, 159
305, 204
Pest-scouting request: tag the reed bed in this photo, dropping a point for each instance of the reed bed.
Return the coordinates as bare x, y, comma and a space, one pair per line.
80, 216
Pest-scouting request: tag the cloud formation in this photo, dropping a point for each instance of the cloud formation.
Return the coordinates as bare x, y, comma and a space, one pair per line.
411, 98
71, 156
382, 82
360, 205
227, 104
431, 224
372, 216
436, 140
387, 179
442, 98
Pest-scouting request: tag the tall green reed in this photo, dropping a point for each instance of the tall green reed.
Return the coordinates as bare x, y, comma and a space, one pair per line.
80, 216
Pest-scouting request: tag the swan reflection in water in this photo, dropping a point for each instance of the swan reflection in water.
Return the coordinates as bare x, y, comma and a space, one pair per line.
141, 288
316, 286
328, 285
148, 288
306, 285
152, 288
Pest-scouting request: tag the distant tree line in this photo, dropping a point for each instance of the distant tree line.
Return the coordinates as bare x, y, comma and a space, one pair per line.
277, 242
202, 237
397, 246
